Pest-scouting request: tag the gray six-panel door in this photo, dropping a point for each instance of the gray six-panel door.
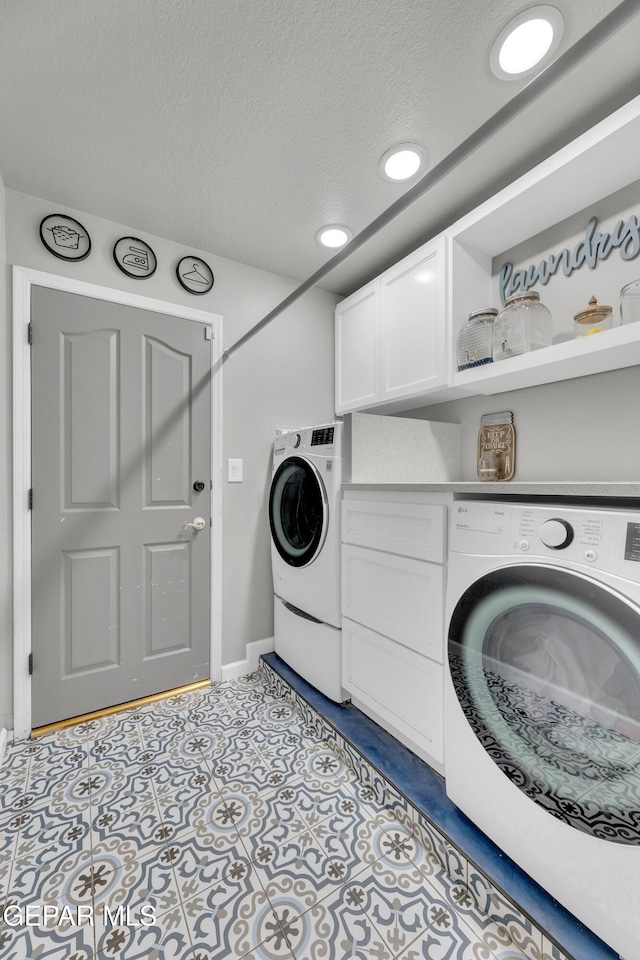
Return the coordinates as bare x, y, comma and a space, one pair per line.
121, 432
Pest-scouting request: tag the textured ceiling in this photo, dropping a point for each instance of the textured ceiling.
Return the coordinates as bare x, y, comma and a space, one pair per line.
241, 126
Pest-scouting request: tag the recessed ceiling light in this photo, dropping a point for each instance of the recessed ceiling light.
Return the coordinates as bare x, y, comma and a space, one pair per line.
402, 162
527, 43
334, 235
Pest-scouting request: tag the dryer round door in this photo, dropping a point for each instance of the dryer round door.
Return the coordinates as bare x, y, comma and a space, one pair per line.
298, 511
545, 664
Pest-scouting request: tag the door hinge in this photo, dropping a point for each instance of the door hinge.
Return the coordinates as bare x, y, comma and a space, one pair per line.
29, 332
30, 497
208, 331
30, 664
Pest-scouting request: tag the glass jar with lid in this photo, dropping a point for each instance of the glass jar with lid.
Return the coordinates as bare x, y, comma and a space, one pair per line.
594, 319
475, 340
524, 324
630, 302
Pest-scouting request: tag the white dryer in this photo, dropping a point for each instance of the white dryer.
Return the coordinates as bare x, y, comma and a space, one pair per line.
304, 515
542, 699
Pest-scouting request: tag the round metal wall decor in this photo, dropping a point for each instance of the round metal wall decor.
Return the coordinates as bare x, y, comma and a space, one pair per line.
65, 237
135, 257
195, 275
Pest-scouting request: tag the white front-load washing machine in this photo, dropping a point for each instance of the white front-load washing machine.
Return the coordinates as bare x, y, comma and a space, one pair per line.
304, 515
542, 699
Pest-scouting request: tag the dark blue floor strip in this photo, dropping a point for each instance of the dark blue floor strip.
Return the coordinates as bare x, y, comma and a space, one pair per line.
425, 790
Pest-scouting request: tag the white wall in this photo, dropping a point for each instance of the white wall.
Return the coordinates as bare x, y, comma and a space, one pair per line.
582, 429
6, 678
284, 376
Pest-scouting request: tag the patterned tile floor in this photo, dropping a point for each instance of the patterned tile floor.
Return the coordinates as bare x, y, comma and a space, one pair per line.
217, 825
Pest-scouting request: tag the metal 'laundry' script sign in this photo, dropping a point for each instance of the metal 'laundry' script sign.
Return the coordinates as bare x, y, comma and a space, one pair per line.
593, 247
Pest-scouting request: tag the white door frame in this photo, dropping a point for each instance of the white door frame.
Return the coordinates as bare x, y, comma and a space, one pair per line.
23, 280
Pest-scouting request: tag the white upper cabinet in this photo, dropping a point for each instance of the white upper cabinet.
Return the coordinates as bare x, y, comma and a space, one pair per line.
391, 343
412, 324
358, 349
396, 338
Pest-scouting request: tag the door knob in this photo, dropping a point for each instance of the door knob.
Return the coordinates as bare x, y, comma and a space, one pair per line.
198, 524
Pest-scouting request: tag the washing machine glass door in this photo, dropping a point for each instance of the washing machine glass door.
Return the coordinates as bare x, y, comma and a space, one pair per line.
298, 511
546, 667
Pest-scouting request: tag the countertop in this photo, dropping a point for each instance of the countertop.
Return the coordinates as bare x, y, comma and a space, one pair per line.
557, 488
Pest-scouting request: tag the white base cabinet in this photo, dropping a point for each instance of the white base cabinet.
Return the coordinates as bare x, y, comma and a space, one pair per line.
393, 614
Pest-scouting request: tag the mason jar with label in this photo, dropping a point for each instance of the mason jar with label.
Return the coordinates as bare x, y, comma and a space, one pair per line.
524, 324
496, 446
475, 340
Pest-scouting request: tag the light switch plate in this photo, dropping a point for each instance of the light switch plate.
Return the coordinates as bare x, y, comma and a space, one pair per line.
234, 471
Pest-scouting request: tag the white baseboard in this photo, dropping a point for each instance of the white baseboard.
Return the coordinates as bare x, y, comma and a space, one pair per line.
254, 651
4, 739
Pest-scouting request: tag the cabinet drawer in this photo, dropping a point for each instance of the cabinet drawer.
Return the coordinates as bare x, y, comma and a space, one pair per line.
399, 597
403, 689
407, 529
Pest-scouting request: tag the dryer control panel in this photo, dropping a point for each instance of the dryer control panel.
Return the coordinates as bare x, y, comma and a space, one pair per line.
325, 440
322, 436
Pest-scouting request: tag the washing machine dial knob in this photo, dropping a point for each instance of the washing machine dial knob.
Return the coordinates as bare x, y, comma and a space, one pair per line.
556, 533
297, 441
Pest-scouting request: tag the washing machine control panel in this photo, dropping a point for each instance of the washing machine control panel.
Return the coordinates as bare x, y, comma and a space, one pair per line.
576, 533
632, 541
557, 530
600, 538
556, 533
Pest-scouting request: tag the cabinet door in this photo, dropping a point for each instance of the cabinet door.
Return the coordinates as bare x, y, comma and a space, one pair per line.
358, 349
398, 597
413, 331
399, 688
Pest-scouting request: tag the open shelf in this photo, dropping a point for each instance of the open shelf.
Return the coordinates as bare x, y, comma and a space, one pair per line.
575, 182
609, 350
